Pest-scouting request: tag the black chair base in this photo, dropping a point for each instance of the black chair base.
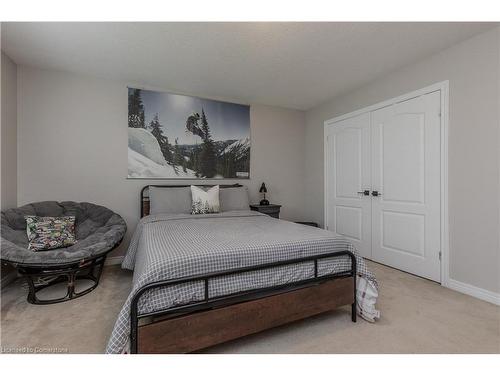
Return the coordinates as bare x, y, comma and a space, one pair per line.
42, 277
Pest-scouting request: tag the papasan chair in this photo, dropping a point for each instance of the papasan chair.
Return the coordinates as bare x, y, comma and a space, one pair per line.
98, 230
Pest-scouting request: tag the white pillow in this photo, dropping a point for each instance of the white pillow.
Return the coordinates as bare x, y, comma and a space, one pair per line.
205, 202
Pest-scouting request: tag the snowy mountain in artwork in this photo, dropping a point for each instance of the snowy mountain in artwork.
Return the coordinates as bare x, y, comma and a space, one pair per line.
141, 166
144, 143
238, 149
146, 160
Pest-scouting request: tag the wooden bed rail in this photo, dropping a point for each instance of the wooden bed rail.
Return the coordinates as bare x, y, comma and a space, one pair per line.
199, 324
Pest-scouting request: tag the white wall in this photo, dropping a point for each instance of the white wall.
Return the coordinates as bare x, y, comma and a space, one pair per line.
8, 133
472, 67
72, 133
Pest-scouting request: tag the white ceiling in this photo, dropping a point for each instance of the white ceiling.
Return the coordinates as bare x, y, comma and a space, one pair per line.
294, 65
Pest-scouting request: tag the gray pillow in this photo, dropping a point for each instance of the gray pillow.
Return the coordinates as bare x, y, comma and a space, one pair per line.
234, 199
169, 200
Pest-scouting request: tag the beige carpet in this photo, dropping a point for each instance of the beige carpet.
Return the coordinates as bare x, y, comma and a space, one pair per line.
418, 316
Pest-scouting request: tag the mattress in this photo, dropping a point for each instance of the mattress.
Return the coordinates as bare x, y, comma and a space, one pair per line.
167, 246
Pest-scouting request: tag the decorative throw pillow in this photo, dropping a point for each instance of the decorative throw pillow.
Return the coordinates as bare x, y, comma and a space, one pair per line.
204, 201
45, 232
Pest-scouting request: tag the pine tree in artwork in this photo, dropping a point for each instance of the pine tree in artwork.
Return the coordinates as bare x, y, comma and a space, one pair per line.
207, 159
157, 131
203, 159
135, 109
194, 161
178, 159
204, 126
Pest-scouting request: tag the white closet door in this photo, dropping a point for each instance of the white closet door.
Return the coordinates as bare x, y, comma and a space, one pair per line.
348, 173
406, 172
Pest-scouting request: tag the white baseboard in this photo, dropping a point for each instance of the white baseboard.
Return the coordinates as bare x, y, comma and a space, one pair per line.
8, 278
474, 291
113, 261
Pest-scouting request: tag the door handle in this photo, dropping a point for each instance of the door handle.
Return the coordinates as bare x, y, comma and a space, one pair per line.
375, 193
364, 192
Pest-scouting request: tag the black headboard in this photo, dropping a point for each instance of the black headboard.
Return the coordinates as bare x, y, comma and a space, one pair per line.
145, 194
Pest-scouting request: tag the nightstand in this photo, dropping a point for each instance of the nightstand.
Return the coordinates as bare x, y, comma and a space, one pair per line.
272, 210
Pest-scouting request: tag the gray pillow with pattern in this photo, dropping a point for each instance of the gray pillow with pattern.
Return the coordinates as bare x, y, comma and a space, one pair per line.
46, 232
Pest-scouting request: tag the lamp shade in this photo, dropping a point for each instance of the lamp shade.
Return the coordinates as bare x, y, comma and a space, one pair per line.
263, 188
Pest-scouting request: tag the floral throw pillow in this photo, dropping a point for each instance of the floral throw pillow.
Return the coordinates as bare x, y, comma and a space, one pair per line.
205, 201
45, 232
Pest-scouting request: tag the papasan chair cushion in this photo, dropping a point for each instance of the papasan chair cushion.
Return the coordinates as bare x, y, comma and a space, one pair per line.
98, 230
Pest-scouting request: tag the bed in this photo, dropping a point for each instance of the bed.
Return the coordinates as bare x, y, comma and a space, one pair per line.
200, 280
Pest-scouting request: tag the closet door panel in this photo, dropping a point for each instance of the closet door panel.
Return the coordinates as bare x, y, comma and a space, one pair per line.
406, 174
348, 173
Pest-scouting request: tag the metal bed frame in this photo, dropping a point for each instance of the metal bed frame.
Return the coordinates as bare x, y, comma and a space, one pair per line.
212, 303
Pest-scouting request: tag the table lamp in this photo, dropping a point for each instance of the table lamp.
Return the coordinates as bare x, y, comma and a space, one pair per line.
263, 190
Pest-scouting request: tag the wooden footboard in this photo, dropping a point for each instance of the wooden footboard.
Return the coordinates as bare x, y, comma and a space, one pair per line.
203, 329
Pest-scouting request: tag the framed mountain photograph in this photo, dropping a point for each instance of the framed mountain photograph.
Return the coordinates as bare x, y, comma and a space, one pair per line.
174, 136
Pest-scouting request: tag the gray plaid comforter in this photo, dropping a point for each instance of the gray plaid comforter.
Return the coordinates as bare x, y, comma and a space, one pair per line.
171, 246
